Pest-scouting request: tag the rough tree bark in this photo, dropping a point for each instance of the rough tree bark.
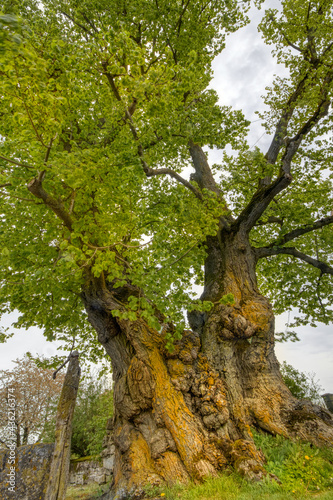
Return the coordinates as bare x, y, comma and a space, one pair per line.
185, 415
59, 472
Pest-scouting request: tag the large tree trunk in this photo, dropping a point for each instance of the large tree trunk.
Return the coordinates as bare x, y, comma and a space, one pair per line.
185, 415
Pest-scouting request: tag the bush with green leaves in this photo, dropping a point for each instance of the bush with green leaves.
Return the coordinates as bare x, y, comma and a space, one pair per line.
93, 409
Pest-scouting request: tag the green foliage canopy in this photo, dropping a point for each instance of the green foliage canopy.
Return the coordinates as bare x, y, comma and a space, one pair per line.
99, 102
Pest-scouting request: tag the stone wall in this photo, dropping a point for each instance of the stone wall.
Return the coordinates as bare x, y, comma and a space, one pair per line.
84, 471
26, 479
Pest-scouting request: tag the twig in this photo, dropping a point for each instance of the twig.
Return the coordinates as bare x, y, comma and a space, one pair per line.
17, 163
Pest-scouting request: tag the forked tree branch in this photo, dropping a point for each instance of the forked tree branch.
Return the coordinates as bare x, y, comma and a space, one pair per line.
265, 194
260, 201
268, 252
36, 188
282, 125
84, 28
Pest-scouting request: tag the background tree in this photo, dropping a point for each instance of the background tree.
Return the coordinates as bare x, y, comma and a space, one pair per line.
36, 395
104, 106
302, 385
94, 406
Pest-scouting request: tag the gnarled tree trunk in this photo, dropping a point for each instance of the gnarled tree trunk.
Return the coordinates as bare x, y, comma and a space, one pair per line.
186, 414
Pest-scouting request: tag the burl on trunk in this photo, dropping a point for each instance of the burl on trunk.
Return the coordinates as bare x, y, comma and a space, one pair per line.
186, 414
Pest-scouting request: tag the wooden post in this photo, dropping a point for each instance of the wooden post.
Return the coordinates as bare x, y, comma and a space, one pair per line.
59, 473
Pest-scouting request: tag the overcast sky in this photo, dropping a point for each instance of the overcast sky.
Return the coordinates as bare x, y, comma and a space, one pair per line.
241, 74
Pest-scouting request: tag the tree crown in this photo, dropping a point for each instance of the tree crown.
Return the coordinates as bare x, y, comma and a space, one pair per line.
104, 108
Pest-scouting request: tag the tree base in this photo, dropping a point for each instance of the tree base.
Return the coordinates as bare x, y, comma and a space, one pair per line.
177, 420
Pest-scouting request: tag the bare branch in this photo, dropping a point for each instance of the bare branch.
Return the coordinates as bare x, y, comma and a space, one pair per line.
267, 252
74, 354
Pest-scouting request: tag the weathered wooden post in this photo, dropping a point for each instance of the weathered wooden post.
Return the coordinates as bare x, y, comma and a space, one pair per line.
59, 473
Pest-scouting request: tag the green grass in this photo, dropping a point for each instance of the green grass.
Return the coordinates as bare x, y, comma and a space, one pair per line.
86, 492
304, 472
232, 487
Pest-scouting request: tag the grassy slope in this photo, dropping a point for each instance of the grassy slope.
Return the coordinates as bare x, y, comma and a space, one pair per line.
304, 472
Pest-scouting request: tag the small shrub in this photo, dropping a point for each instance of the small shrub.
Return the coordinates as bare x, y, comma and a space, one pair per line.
302, 385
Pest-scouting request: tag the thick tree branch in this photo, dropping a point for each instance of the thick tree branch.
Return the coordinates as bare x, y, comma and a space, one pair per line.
204, 178
279, 138
264, 195
260, 201
295, 233
203, 175
35, 187
267, 252
321, 112
111, 81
